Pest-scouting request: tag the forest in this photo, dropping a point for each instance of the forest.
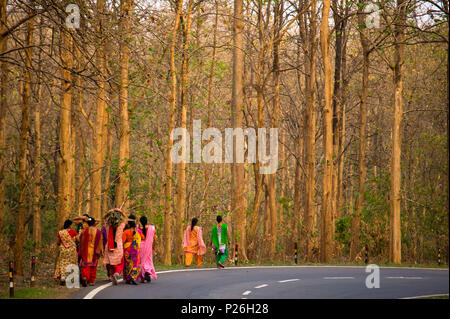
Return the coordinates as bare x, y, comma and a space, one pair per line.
357, 90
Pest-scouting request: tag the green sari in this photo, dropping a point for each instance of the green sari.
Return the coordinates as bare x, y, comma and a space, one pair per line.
221, 257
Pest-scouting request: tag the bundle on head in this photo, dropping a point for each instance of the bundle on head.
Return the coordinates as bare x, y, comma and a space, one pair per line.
114, 219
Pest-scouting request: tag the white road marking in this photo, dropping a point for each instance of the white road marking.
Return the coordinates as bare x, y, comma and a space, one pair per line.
338, 277
261, 286
401, 277
288, 280
246, 293
92, 293
427, 296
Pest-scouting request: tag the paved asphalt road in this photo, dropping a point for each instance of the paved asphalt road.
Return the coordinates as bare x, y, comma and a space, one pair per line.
289, 282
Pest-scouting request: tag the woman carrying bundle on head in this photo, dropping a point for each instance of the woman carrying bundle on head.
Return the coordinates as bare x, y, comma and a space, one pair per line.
114, 246
132, 238
193, 244
147, 249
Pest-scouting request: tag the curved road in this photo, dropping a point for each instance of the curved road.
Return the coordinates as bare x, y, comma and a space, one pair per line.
288, 282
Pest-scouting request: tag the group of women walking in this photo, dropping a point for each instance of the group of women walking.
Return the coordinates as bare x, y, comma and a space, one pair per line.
194, 246
125, 247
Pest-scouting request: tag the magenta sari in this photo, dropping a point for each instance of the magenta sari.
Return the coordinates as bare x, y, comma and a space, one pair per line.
147, 254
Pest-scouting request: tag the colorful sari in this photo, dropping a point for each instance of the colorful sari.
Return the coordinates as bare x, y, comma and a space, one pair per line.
146, 254
67, 252
131, 253
193, 245
90, 247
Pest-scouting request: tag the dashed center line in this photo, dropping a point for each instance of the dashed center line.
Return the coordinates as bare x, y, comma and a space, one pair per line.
288, 280
338, 277
261, 286
245, 293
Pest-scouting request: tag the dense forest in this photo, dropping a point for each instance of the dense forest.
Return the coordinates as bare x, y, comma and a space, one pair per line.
358, 89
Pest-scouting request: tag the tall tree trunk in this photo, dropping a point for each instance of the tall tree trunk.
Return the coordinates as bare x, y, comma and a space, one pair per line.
356, 218
65, 131
123, 188
36, 210
208, 102
310, 136
3, 106
395, 255
237, 196
180, 199
326, 239
272, 186
99, 128
167, 235
20, 229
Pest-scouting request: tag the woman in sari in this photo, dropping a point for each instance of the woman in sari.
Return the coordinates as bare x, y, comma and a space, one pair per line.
147, 249
90, 251
193, 244
132, 238
114, 245
220, 241
67, 238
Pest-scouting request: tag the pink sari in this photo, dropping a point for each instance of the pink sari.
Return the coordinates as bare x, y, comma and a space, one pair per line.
147, 254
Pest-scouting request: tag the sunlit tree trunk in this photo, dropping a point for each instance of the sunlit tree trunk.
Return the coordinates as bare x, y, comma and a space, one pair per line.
99, 128
326, 239
237, 196
167, 235
180, 199
395, 255
310, 136
356, 218
65, 131
272, 183
36, 191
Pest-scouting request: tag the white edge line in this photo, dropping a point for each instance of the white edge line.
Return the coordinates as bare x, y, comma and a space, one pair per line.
416, 297
92, 293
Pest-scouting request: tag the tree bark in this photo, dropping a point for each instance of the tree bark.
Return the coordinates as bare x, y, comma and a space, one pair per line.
123, 187
238, 206
167, 235
356, 217
65, 131
395, 226
99, 129
22, 207
310, 136
326, 239
180, 199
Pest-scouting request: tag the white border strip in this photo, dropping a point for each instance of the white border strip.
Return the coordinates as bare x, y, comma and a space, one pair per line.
427, 296
92, 293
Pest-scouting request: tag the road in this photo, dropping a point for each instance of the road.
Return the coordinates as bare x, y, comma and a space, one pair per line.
278, 282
